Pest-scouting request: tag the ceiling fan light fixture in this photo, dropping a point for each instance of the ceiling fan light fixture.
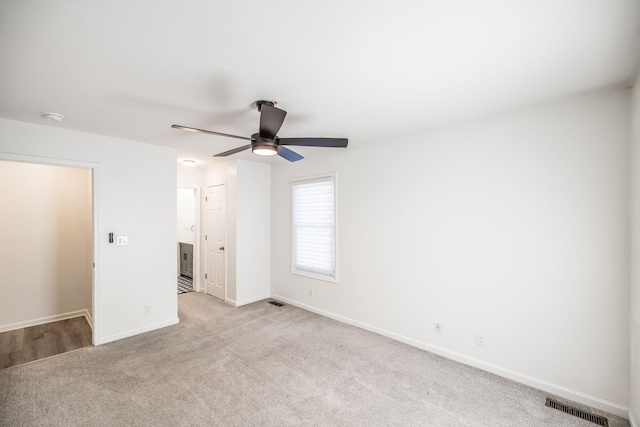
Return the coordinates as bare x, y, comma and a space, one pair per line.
264, 150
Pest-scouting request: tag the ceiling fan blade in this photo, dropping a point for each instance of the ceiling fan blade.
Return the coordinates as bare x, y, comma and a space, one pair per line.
234, 151
209, 132
271, 119
288, 154
314, 142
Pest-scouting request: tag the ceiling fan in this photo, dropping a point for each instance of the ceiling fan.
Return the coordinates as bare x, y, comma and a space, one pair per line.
266, 142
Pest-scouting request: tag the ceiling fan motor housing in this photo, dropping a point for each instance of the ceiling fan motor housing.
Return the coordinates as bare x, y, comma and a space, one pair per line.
256, 139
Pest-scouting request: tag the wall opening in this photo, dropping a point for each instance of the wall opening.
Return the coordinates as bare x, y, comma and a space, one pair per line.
46, 255
187, 226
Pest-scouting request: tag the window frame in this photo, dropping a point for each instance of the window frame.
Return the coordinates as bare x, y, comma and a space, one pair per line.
311, 274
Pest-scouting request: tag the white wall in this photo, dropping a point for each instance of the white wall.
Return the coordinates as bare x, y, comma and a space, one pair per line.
135, 197
516, 227
186, 215
634, 413
45, 243
253, 231
248, 231
189, 177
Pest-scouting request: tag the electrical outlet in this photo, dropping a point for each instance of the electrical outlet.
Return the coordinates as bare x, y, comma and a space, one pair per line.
147, 310
437, 327
480, 339
311, 292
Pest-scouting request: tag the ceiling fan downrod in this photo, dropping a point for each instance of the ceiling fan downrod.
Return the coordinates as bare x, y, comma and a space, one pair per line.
260, 103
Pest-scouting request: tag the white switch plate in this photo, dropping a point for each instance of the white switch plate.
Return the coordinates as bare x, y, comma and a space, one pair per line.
122, 240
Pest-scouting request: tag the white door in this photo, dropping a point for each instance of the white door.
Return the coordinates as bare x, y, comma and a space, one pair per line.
215, 238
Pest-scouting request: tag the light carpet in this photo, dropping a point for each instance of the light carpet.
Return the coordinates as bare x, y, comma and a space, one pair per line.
261, 365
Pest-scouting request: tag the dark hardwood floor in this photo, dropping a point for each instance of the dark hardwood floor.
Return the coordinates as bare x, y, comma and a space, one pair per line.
37, 342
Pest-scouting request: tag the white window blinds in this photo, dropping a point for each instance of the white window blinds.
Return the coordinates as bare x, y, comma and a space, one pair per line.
314, 213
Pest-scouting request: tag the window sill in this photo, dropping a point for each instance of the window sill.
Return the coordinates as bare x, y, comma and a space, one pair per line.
324, 278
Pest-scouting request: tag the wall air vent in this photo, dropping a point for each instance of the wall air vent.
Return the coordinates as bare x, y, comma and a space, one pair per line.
276, 303
596, 419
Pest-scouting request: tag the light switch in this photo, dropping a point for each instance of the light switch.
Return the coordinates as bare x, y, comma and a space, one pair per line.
122, 240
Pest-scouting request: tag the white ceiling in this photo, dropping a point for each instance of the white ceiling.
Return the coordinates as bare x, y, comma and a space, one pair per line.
366, 70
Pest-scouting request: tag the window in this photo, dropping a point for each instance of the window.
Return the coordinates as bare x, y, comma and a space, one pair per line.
313, 231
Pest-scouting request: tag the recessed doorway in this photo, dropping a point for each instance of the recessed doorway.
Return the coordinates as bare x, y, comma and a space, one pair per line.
187, 240
46, 254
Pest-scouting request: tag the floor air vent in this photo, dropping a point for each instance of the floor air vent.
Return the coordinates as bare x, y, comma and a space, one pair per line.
276, 303
596, 419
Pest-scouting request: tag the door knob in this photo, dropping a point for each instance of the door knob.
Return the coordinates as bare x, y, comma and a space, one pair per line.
222, 248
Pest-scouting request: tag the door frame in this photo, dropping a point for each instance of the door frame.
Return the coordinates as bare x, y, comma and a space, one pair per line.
226, 235
93, 167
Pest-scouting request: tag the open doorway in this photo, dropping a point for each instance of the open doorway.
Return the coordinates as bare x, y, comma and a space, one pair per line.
46, 259
187, 240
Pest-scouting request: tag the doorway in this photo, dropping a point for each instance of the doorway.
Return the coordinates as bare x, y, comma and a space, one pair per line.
215, 240
187, 218
52, 281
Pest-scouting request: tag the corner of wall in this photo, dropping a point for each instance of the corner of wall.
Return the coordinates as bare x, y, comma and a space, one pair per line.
253, 231
634, 304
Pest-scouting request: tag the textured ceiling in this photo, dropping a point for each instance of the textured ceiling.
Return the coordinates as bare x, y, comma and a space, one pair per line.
366, 70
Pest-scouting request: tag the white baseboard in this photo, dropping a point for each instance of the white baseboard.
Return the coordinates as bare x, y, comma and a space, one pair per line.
246, 301
632, 420
87, 315
574, 395
43, 320
252, 300
132, 332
